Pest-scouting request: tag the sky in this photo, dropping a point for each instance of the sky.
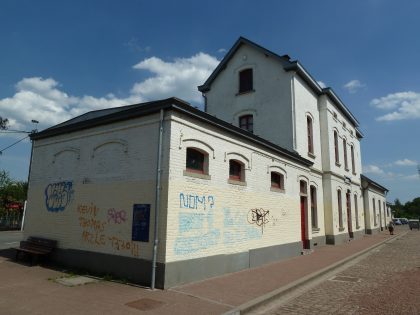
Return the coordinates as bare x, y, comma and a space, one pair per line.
60, 59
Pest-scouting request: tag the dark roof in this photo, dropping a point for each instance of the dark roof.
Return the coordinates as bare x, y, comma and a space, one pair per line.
287, 66
373, 183
112, 115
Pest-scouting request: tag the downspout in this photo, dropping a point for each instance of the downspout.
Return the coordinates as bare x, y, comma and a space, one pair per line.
157, 201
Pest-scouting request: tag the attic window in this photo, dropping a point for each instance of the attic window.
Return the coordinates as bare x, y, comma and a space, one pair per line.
245, 81
335, 115
247, 122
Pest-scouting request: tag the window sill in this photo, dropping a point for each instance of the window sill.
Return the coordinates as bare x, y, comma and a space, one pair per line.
236, 182
357, 227
245, 92
311, 155
347, 169
337, 164
196, 175
279, 190
341, 229
315, 230
354, 173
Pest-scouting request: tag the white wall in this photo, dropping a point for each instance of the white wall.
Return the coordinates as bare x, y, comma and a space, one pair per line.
270, 102
95, 176
217, 219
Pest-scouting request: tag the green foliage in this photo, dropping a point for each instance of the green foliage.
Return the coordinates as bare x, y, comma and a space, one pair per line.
410, 210
11, 190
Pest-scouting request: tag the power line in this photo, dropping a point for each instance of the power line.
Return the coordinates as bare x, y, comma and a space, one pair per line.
2, 150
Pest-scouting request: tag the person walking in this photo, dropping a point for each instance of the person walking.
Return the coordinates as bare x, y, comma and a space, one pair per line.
391, 227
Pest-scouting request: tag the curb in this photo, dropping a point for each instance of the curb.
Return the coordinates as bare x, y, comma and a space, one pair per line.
253, 304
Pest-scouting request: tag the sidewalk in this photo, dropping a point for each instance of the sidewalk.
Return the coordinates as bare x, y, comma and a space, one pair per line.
32, 290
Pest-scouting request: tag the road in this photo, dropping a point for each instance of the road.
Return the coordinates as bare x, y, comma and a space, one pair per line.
386, 281
10, 239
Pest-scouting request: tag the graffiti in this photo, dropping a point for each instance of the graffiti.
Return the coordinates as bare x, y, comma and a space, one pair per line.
121, 245
258, 217
190, 221
195, 201
94, 228
236, 228
117, 216
58, 196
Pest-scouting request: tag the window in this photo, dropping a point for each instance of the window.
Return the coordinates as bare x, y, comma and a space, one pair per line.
353, 167
337, 158
310, 135
356, 211
387, 213
196, 161
346, 165
340, 212
335, 115
314, 215
246, 122
245, 81
374, 211
303, 190
277, 180
236, 171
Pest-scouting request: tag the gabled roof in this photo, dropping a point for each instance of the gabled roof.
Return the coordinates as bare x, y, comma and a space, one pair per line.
287, 66
373, 183
112, 115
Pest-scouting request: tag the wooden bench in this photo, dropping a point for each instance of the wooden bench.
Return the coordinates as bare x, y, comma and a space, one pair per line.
36, 247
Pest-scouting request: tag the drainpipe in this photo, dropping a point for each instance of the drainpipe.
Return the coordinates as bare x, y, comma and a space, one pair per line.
157, 201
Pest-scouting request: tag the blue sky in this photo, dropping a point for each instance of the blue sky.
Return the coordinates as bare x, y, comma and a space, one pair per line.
59, 59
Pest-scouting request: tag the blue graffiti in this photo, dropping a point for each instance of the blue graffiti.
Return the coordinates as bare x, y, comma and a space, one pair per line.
195, 201
190, 221
58, 196
237, 229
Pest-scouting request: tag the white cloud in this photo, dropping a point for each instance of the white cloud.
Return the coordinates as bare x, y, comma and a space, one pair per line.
406, 105
178, 78
221, 50
372, 169
353, 86
411, 177
405, 162
322, 84
43, 99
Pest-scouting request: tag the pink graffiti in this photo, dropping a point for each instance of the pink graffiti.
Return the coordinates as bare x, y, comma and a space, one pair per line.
117, 216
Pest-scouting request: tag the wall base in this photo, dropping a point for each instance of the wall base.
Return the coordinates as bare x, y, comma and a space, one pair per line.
372, 231
337, 239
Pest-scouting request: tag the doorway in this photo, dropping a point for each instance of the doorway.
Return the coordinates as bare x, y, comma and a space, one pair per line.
304, 214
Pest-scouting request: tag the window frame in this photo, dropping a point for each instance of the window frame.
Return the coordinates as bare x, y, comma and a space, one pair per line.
353, 164
277, 185
310, 135
340, 210
241, 176
202, 173
346, 163
248, 125
246, 81
336, 152
314, 208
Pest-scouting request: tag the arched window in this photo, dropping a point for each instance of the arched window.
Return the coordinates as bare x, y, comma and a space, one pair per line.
310, 132
246, 122
277, 180
340, 209
196, 161
346, 165
337, 158
245, 81
314, 212
236, 171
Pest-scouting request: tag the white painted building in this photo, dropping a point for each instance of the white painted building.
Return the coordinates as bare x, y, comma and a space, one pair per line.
277, 99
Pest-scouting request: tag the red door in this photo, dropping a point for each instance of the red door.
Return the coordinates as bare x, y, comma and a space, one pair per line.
303, 222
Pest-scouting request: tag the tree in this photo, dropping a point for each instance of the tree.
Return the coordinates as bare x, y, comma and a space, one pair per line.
3, 123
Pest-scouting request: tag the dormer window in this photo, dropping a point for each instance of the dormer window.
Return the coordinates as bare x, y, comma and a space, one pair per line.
246, 122
245, 81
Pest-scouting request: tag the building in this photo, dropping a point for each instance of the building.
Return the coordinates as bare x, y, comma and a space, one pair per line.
377, 211
163, 193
